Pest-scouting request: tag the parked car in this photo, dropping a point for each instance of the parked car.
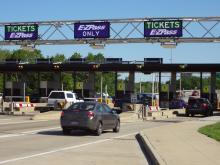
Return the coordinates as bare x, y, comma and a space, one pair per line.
177, 104
199, 106
89, 116
62, 99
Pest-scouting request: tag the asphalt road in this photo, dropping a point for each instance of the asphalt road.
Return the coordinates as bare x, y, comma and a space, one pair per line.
26, 142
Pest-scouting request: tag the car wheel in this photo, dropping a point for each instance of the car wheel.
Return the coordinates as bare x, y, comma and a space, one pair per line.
208, 113
66, 131
192, 114
98, 131
187, 114
117, 127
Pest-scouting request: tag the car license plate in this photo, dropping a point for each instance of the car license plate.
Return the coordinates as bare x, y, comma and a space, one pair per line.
74, 123
194, 106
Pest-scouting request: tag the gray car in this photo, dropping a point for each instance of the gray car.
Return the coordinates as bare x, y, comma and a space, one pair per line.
92, 116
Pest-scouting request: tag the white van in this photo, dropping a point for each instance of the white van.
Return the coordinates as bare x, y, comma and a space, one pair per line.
62, 99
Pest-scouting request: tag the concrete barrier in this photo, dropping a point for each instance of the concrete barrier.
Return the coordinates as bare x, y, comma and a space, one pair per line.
51, 115
131, 107
18, 108
157, 115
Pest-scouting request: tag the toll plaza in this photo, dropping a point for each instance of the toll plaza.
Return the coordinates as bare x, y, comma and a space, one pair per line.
168, 32
166, 92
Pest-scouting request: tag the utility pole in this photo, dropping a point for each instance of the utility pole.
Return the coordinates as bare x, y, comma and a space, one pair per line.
140, 86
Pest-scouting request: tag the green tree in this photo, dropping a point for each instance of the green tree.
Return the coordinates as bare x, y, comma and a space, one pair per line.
26, 55
4, 54
58, 58
76, 55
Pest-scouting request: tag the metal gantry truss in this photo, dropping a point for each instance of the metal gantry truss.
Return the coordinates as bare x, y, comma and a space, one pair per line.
195, 30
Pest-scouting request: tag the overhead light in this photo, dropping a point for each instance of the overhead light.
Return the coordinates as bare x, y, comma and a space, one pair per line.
169, 44
97, 46
28, 47
216, 41
48, 43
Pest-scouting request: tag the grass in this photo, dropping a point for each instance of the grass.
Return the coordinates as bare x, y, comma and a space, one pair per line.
212, 131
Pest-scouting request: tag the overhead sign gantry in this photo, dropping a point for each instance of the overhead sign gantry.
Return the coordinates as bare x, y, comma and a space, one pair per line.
112, 31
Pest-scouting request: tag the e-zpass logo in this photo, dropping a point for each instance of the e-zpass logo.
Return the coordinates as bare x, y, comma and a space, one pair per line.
91, 27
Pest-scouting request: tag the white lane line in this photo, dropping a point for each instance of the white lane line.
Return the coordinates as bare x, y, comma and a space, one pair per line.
10, 135
64, 149
5, 119
22, 122
27, 132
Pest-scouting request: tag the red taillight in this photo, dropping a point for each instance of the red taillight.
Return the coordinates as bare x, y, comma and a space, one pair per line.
62, 113
90, 114
204, 105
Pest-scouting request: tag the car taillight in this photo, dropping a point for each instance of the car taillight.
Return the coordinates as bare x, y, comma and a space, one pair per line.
90, 114
62, 113
204, 105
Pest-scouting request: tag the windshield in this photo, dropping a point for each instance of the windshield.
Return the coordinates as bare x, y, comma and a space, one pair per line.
57, 95
82, 106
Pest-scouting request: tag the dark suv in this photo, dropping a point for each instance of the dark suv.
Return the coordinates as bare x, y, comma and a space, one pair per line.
89, 116
199, 106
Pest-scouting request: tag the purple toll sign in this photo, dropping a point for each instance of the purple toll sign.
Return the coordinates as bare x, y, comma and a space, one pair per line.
21, 32
92, 30
170, 28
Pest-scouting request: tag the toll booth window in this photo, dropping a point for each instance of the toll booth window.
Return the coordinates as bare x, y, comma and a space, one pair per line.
56, 95
69, 95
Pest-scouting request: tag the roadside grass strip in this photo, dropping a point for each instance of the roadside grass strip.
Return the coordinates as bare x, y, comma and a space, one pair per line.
212, 131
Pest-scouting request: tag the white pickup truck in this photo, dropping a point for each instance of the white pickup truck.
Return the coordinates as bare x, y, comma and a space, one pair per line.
61, 99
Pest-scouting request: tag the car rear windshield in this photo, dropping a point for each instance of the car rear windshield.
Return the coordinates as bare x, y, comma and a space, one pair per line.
57, 95
193, 101
82, 106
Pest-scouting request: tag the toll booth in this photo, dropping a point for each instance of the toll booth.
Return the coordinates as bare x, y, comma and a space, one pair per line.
124, 90
14, 91
47, 86
164, 96
84, 89
80, 90
208, 91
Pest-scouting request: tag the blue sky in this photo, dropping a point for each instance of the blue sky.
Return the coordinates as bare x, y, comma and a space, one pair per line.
42, 10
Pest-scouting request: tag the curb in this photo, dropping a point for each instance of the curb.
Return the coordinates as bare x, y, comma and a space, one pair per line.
152, 154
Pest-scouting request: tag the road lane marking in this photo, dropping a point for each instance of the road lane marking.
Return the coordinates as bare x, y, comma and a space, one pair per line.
27, 132
65, 149
10, 135
5, 119
22, 122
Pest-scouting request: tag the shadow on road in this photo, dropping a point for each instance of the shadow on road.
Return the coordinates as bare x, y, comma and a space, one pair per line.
144, 149
215, 113
73, 133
